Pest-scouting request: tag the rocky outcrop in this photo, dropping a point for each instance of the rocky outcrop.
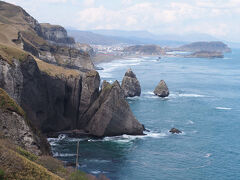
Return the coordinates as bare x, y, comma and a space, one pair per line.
110, 114
161, 90
175, 131
130, 84
14, 126
213, 46
205, 54
56, 33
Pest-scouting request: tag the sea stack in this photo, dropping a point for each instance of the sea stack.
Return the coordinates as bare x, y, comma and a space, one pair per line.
110, 114
130, 84
161, 90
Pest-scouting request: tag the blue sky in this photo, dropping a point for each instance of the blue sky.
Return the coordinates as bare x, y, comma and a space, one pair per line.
219, 18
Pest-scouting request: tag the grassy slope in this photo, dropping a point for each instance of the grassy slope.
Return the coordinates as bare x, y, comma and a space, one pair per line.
8, 53
17, 163
56, 71
8, 103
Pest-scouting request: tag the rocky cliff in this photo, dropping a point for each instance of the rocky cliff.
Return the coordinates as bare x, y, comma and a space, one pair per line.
56, 33
58, 99
110, 114
130, 84
14, 125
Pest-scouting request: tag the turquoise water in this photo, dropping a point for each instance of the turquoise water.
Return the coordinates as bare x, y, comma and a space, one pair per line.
204, 103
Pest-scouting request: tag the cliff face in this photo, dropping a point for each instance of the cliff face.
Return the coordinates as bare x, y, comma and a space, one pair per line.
50, 102
13, 125
56, 34
57, 99
110, 114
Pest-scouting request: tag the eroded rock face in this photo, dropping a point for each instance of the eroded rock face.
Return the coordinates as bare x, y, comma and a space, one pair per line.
161, 90
51, 103
130, 84
110, 114
90, 92
14, 127
56, 34
11, 79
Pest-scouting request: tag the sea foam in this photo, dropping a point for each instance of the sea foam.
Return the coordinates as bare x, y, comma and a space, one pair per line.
223, 108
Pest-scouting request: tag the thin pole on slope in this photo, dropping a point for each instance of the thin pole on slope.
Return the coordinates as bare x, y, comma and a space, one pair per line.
77, 155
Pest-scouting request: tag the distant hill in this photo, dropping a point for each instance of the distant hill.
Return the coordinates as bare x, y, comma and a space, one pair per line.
214, 46
122, 37
88, 37
161, 39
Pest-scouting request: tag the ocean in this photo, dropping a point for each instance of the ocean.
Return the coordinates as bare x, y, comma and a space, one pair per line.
204, 103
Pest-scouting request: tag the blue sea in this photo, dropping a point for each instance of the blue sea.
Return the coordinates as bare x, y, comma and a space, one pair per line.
204, 103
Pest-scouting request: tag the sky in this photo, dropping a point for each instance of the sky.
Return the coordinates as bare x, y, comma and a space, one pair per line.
218, 18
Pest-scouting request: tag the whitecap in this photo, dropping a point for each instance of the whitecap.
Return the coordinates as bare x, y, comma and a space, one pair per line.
190, 122
129, 138
208, 155
148, 93
62, 136
95, 172
57, 154
191, 95
98, 160
133, 98
223, 108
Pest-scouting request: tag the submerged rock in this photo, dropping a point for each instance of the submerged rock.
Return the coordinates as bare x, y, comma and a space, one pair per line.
175, 131
130, 84
161, 90
110, 114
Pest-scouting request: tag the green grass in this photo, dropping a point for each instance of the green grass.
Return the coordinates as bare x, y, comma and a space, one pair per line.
7, 103
26, 154
1, 174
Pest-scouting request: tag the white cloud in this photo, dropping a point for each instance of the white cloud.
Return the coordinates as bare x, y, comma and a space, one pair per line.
89, 3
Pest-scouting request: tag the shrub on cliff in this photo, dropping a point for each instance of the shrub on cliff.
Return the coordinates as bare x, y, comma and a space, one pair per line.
1, 174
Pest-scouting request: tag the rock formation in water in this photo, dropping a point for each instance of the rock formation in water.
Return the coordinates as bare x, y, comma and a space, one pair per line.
175, 131
110, 114
161, 90
130, 84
